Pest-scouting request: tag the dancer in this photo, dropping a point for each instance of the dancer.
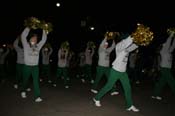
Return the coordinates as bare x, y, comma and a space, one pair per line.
166, 76
31, 59
103, 67
118, 72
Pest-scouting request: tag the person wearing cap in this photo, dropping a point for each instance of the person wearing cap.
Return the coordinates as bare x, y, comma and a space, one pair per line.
31, 60
103, 67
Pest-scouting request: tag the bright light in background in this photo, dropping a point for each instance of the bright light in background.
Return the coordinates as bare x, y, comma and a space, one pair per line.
4, 45
92, 28
58, 4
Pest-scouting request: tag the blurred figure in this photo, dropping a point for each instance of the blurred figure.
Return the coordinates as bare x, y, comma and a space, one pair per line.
166, 76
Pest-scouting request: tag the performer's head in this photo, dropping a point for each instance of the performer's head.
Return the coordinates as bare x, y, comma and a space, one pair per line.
46, 49
34, 39
106, 45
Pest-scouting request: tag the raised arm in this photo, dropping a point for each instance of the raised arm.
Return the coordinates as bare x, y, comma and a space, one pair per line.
24, 36
167, 44
124, 43
102, 44
51, 50
112, 47
59, 54
43, 40
172, 46
15, 44
132, 47
6, 53
93, 51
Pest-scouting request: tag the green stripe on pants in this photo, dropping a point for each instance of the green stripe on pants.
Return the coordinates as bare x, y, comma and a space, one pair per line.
114, 76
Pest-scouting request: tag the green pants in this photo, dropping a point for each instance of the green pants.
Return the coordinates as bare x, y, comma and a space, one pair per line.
19, 73
63, 72
45, 71
165, 78
114, 76
102, 71
34, 72
88, 72
81, 71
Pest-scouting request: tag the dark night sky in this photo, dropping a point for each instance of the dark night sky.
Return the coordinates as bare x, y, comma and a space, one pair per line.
104, 15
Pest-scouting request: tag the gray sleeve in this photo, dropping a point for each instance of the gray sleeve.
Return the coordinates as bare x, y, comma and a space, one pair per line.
112, 47
42, 51
6, 53
93, 51
51, 50
124, 44
173, 46
167, 44
102, 44
43, 40
24, 37
132, 47
15, 44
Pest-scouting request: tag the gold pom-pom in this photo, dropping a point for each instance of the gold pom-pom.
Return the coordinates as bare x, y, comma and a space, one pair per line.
35, 23
91, 44
111, 35
32, 22
170, 30
65, 45
46, 26
142, 36
47, 45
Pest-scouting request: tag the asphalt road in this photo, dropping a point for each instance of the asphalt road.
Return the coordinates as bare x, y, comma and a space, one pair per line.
77, 101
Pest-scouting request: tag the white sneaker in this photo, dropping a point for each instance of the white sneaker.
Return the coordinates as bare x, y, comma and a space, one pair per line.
38, 99
97, 103
133, 108
114, 93
41, 80
15, 86
66, 87
156, 97
49, 81
23, 94
54, 85
137, 82
92, 81
94, 91
28, 89
82, 80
